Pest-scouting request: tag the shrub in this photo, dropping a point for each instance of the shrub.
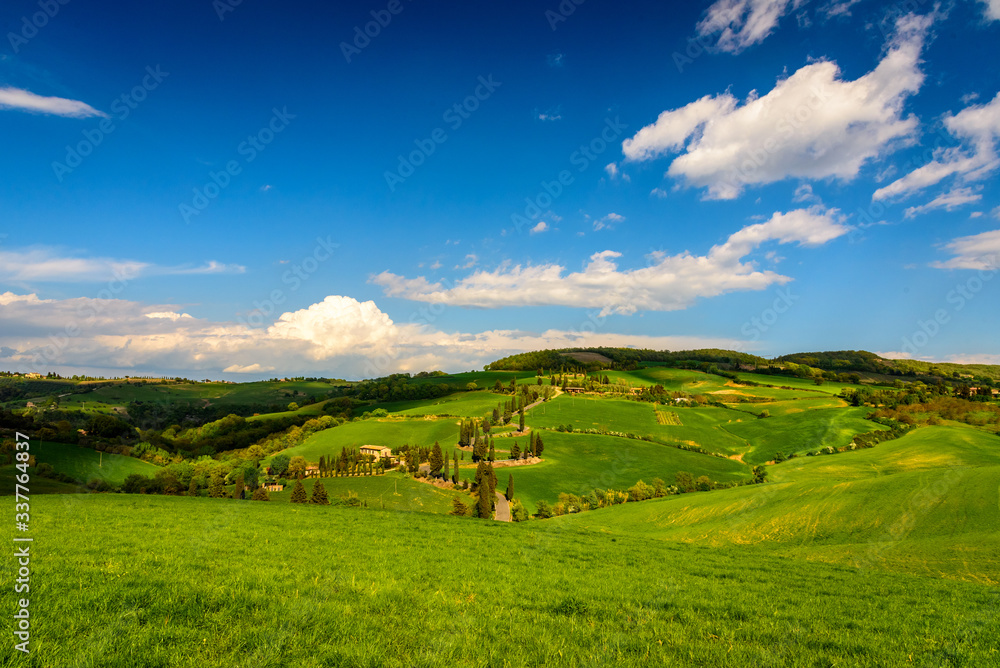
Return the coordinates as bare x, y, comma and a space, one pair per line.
544, 511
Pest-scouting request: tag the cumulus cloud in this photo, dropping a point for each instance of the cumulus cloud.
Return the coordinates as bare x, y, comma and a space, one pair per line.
812, 125
978, 251
991, 9
542, 226
339, 336
24, 100
670, 282
977, 128
948, 201
249, 368
44, 264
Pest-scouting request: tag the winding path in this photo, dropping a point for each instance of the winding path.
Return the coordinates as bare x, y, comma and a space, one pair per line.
503, 508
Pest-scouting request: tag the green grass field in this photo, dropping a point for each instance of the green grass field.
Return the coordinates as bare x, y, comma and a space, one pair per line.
807, 431
579, 463
463, 404
80, 463
392, 491
378, 431
699, 426
167, 581
926, 503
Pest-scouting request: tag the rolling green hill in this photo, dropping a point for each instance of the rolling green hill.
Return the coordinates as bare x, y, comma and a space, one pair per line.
926, 503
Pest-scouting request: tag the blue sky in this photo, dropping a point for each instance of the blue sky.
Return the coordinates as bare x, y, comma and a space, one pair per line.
247, 190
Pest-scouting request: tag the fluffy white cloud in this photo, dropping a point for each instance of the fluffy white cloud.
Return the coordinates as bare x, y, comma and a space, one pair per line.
743, 23
24, 100
670, 282
812, 125
977, 127
249, 368
992, 9
338, 326
43, 264
542, 226
948, 201
336, 337
978, 251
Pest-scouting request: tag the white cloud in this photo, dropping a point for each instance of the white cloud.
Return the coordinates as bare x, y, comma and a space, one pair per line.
742, 23
24, 100
668, 283
948, 201
812, 125
842, 8
608, 222
336, 337
43, 264
804, 193
978, 251
612, 169
978, 129
542, 226
658, 192
249, 368
437, 265
470, 261
976, 214
991, 9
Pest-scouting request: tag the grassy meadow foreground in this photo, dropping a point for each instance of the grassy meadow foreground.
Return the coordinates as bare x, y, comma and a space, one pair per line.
196, 582
682, 509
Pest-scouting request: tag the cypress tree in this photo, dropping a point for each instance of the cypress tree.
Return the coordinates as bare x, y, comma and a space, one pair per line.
538, 446
436, 460
299, 492
215, 489
484, 507
260, 494
444, 474
454, 476
319, 496
515, 451
492, 456
238, 491
520, 418
510, 487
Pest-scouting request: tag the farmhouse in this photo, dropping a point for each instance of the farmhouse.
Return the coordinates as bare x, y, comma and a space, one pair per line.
312, 471
376, 451
273, 487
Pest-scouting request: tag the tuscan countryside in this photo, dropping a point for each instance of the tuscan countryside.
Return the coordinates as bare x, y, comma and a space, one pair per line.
554, 333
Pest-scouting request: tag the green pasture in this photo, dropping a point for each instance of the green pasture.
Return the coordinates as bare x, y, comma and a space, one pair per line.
579, 463
926, 503
170, 581
392, 432
699, 426
807, 431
